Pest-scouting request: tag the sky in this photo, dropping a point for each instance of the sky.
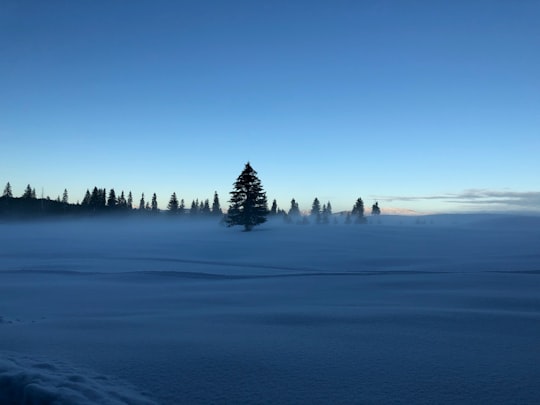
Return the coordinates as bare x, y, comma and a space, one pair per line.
431, 106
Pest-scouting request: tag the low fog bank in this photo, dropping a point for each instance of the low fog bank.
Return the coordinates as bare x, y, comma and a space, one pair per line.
463, 242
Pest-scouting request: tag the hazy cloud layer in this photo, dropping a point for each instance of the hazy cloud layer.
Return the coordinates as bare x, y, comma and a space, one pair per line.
480, 197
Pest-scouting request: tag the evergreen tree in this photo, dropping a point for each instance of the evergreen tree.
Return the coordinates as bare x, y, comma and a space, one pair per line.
130, 201
141, 203
358, 211
316, 210
181, 207
294, 211
33, 195
154, 203
111, 201
329, 208
375, 210
95, 199
205, 210
122, 204
248, 201
216, 208
173, 204
65, 197
194, 210
274, 209
27, 192
7, 191
86, 199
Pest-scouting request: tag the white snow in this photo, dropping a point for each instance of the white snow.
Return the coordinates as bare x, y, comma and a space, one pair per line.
431, 309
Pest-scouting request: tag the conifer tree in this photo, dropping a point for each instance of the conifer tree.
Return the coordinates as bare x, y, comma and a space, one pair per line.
194, 210
294, 211
173, 204
274, 209
375, 210
65, 197
27, 192
358, 212
141, 203
111, 201
248, 201
316, 210
86, 199
181, 207
154, 203
216, 208
7, 191
122, 201
130, 201
205, 208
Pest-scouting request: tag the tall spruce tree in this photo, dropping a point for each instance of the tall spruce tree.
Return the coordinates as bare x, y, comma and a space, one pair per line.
375, 210
173, 204
216, 208
7, 191
154, 203
358, 212
274, 209
248, 201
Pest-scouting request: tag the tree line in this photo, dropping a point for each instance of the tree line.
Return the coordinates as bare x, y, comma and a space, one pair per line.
248, 205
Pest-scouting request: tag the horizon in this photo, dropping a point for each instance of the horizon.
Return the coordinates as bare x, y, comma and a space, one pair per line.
429, 107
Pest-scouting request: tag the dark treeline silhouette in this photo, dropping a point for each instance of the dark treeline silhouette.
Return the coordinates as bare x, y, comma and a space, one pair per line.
248, 206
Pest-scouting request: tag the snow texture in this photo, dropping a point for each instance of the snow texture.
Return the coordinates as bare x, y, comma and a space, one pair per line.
436, 309
28, 381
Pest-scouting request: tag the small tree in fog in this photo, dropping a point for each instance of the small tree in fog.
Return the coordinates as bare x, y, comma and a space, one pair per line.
154, 203
216, 208
173, 204
111, 201
294, 211
27, 192
141, 203
358, 212
274, 209
7, 191
65, 197
316, 210
130, 200
375, 210
248, 201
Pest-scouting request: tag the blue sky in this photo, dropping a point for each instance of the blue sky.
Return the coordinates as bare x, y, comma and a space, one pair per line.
424, 105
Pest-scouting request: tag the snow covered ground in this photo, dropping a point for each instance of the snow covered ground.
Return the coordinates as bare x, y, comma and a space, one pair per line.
436, 309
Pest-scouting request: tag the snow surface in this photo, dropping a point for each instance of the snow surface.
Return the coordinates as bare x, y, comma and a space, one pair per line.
436, 309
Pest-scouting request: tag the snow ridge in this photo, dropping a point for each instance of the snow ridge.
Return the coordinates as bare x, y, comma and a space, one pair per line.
28, 381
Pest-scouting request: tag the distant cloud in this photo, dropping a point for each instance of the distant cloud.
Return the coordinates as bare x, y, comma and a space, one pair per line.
480, 197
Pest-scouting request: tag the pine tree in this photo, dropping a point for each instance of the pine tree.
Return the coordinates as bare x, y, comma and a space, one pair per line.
294, 211
173, 204
216, 208
358, 212
194, 210
274, 209
130, 201
181, 207
375, 210
316, 210
122, 204
141, 203
7, 191
87, 198
205, 208
111, 201
27, 192
248, 201
65, 197
154, 203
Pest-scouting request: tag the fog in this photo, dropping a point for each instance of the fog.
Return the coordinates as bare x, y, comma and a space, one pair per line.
428, 309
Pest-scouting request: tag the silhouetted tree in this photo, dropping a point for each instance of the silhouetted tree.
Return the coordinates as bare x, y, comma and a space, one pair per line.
87, 198
316, 210
358, 211
111, 201
205, 210
130, 201
375, 210
7, 191
154, 203
194, 210
274, 209
65, 197
173, 204
141, 203
216, 208
122, 203
248, 201
294, 211
181, 207
27, 192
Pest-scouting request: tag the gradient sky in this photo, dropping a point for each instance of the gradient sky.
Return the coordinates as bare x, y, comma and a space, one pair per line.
424, 105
